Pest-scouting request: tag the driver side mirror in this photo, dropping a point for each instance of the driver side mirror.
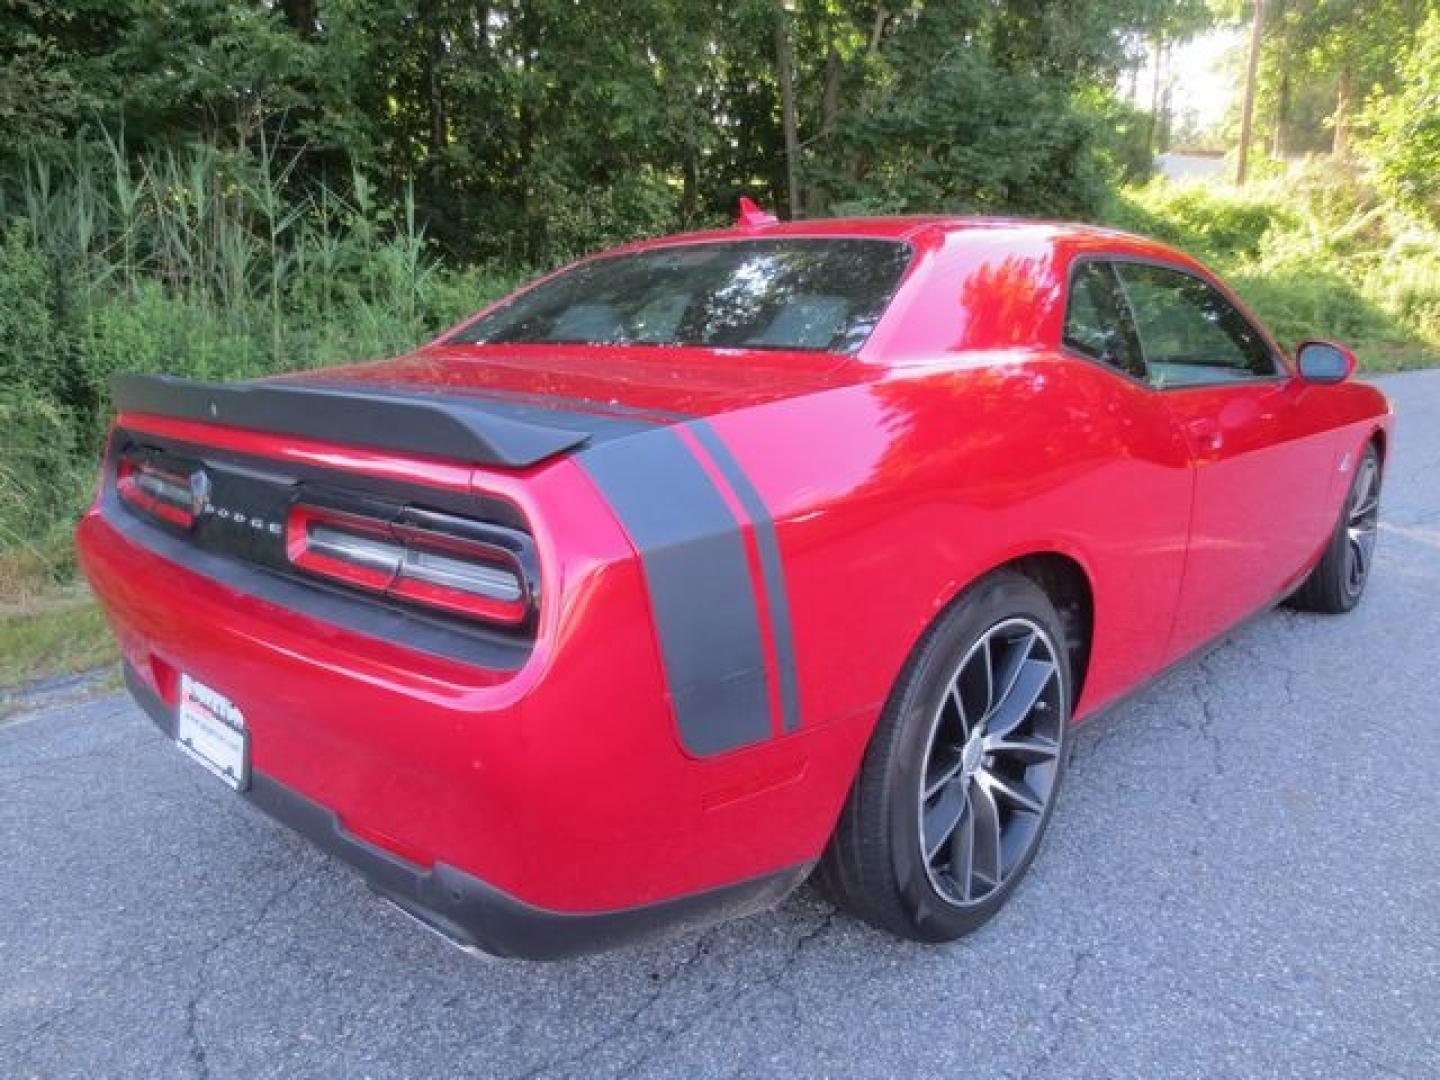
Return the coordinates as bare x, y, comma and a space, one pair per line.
1324, 362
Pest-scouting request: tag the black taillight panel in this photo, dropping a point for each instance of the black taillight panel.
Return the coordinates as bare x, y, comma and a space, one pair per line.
393, 547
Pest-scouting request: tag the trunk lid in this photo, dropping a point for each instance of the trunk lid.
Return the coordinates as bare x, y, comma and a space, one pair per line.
506, 407
675, 381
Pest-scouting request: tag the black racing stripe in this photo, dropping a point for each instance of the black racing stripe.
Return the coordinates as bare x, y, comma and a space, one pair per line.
695, 566
771, 568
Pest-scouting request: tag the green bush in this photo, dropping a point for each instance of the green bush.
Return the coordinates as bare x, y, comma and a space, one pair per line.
1405, 139
1211, 224
31, 354
48, 456
577, 221
199, 265
44, 483
1297, 303
1122, 135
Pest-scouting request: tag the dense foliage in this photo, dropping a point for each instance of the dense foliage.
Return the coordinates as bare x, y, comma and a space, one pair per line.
1405, 139
197, 263
532, 130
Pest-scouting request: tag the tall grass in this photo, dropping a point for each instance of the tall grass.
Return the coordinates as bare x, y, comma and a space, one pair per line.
204, 262
234, 234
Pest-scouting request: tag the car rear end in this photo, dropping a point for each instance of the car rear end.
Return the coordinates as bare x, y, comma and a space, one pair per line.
503, 623
445, 673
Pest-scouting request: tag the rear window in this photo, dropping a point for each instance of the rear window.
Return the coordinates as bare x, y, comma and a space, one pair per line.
812, 294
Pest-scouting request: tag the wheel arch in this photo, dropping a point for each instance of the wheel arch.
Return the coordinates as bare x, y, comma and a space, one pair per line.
1065, 581
1380, 441
1068, 583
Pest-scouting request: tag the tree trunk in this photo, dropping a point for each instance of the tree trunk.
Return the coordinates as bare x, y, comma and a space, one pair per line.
877, 28
1247, 113
818, 197
300, 14
690, 194
1340, 147
1157, 49
830, 96
1282, 117
434, 87
1282, 47
860, 163
785, 71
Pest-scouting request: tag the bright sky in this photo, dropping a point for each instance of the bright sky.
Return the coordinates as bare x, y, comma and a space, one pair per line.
1202, 82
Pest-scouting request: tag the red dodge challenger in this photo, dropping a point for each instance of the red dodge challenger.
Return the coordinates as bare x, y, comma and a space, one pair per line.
715, 559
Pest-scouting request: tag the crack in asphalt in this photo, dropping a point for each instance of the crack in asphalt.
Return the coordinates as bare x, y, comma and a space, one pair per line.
1206, 726
659, 985
199, 1056
801, 943
1244, 1015
1059, 1016
775, 981
772, 980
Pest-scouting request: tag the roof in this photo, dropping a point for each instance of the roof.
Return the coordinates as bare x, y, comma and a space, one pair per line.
900, 227
1023, 232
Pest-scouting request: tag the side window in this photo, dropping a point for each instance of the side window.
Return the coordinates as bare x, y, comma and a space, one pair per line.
1190, 333
1097, 320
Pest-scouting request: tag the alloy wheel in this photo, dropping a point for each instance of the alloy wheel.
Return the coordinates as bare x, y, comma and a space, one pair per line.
1362, 524
992, 761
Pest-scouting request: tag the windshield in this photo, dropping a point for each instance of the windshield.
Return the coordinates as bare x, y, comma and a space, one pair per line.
814, 294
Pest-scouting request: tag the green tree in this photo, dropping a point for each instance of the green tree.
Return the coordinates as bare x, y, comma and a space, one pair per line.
530, 130
979, 106
1405, 145
1323, 59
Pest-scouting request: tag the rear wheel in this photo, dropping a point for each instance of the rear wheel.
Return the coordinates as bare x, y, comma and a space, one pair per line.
1338, 580
960, 778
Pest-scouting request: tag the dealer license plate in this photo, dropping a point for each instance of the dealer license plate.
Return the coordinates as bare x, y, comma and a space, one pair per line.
211, 729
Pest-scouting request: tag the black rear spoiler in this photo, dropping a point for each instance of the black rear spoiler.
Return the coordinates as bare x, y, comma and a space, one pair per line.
473, 429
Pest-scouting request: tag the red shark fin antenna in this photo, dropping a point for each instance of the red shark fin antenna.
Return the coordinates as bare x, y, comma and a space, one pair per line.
751, 216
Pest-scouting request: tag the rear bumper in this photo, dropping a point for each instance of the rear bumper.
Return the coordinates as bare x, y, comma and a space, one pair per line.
561, 788
474, 914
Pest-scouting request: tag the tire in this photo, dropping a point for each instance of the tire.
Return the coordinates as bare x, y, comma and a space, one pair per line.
877, 865
1338, 580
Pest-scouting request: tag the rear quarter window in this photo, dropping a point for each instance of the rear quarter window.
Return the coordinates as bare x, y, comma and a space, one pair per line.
1098, 323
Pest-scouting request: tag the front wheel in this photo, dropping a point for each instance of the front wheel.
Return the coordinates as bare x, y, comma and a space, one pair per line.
960, 778
1338, 580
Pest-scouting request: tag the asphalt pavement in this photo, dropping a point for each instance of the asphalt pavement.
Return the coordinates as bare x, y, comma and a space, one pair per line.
1242, 879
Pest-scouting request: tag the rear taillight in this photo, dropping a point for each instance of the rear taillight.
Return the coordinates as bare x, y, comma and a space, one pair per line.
454, 564
158, 492
446, 562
